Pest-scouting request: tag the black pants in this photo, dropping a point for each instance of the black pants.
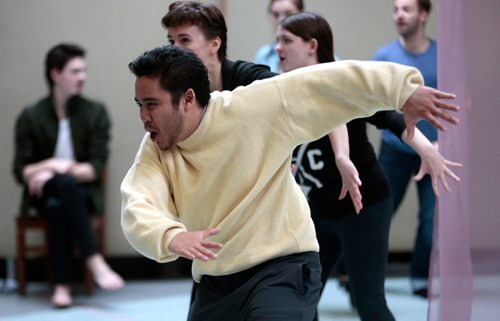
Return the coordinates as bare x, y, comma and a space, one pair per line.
285, 289
362, 241
66, 205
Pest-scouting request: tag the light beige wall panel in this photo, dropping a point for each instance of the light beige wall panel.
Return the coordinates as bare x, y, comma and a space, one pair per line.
116, 31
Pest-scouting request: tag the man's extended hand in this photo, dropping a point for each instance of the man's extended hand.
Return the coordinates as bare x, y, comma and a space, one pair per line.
192, 245
428, 103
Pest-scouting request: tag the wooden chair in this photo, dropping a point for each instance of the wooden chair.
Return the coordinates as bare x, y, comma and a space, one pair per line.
38, 223
24, 248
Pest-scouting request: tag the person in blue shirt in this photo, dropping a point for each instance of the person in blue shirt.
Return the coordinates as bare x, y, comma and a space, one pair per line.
279, 10
400, 161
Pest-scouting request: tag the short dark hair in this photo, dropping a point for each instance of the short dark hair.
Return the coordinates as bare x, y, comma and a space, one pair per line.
178, 70
425, 5
204, 15
308, 25
58, 56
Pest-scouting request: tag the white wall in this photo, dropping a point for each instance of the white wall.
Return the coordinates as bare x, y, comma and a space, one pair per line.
116, 31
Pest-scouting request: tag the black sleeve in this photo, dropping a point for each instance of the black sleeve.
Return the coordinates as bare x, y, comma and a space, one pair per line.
243, 73
24, 151
388, 119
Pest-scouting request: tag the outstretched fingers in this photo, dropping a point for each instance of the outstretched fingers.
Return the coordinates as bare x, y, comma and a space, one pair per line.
449, 172
441, 106
444, 95
430, 104
439, 175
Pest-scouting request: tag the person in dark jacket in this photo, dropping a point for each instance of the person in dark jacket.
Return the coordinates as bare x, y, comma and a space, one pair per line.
61, 149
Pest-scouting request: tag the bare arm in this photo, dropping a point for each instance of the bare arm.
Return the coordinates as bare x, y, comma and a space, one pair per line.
432, 162
339, 139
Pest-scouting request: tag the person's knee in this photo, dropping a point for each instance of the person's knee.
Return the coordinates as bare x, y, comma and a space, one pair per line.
63, 190
66, 181
64, 186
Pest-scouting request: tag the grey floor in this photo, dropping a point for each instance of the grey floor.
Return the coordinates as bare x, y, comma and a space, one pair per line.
168, 300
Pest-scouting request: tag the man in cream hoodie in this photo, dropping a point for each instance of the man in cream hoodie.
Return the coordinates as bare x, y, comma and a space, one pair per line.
211, 181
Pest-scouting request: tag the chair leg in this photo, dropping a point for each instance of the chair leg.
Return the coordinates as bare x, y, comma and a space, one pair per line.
22, 247
21, 260
102, 236
89, 281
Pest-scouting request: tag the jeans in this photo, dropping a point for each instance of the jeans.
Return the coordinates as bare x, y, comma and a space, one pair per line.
65, 204
399, 168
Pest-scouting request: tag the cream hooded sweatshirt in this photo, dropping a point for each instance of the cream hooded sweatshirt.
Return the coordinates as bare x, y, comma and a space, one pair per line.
233, 172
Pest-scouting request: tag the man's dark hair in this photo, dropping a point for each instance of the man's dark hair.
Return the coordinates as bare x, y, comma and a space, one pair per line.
58, 57
425, 5
178, 70
204, 15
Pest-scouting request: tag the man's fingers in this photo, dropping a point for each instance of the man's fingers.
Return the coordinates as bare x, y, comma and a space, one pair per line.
442, 106
201, 254
448, 106
435, 122
444, 95
212, 245
449, 118
211, 232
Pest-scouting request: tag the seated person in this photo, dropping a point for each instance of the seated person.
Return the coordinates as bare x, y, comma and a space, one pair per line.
61, 147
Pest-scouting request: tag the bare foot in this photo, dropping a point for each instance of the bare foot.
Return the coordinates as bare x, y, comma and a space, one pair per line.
104, 276
61, 298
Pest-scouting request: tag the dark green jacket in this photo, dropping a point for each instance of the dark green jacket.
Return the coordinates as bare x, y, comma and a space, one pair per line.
36, 136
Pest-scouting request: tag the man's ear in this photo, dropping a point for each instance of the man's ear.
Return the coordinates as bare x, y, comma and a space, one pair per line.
189, 99
54, 73
424, 16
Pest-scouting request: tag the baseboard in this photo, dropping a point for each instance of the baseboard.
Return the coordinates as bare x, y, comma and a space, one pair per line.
138, 267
